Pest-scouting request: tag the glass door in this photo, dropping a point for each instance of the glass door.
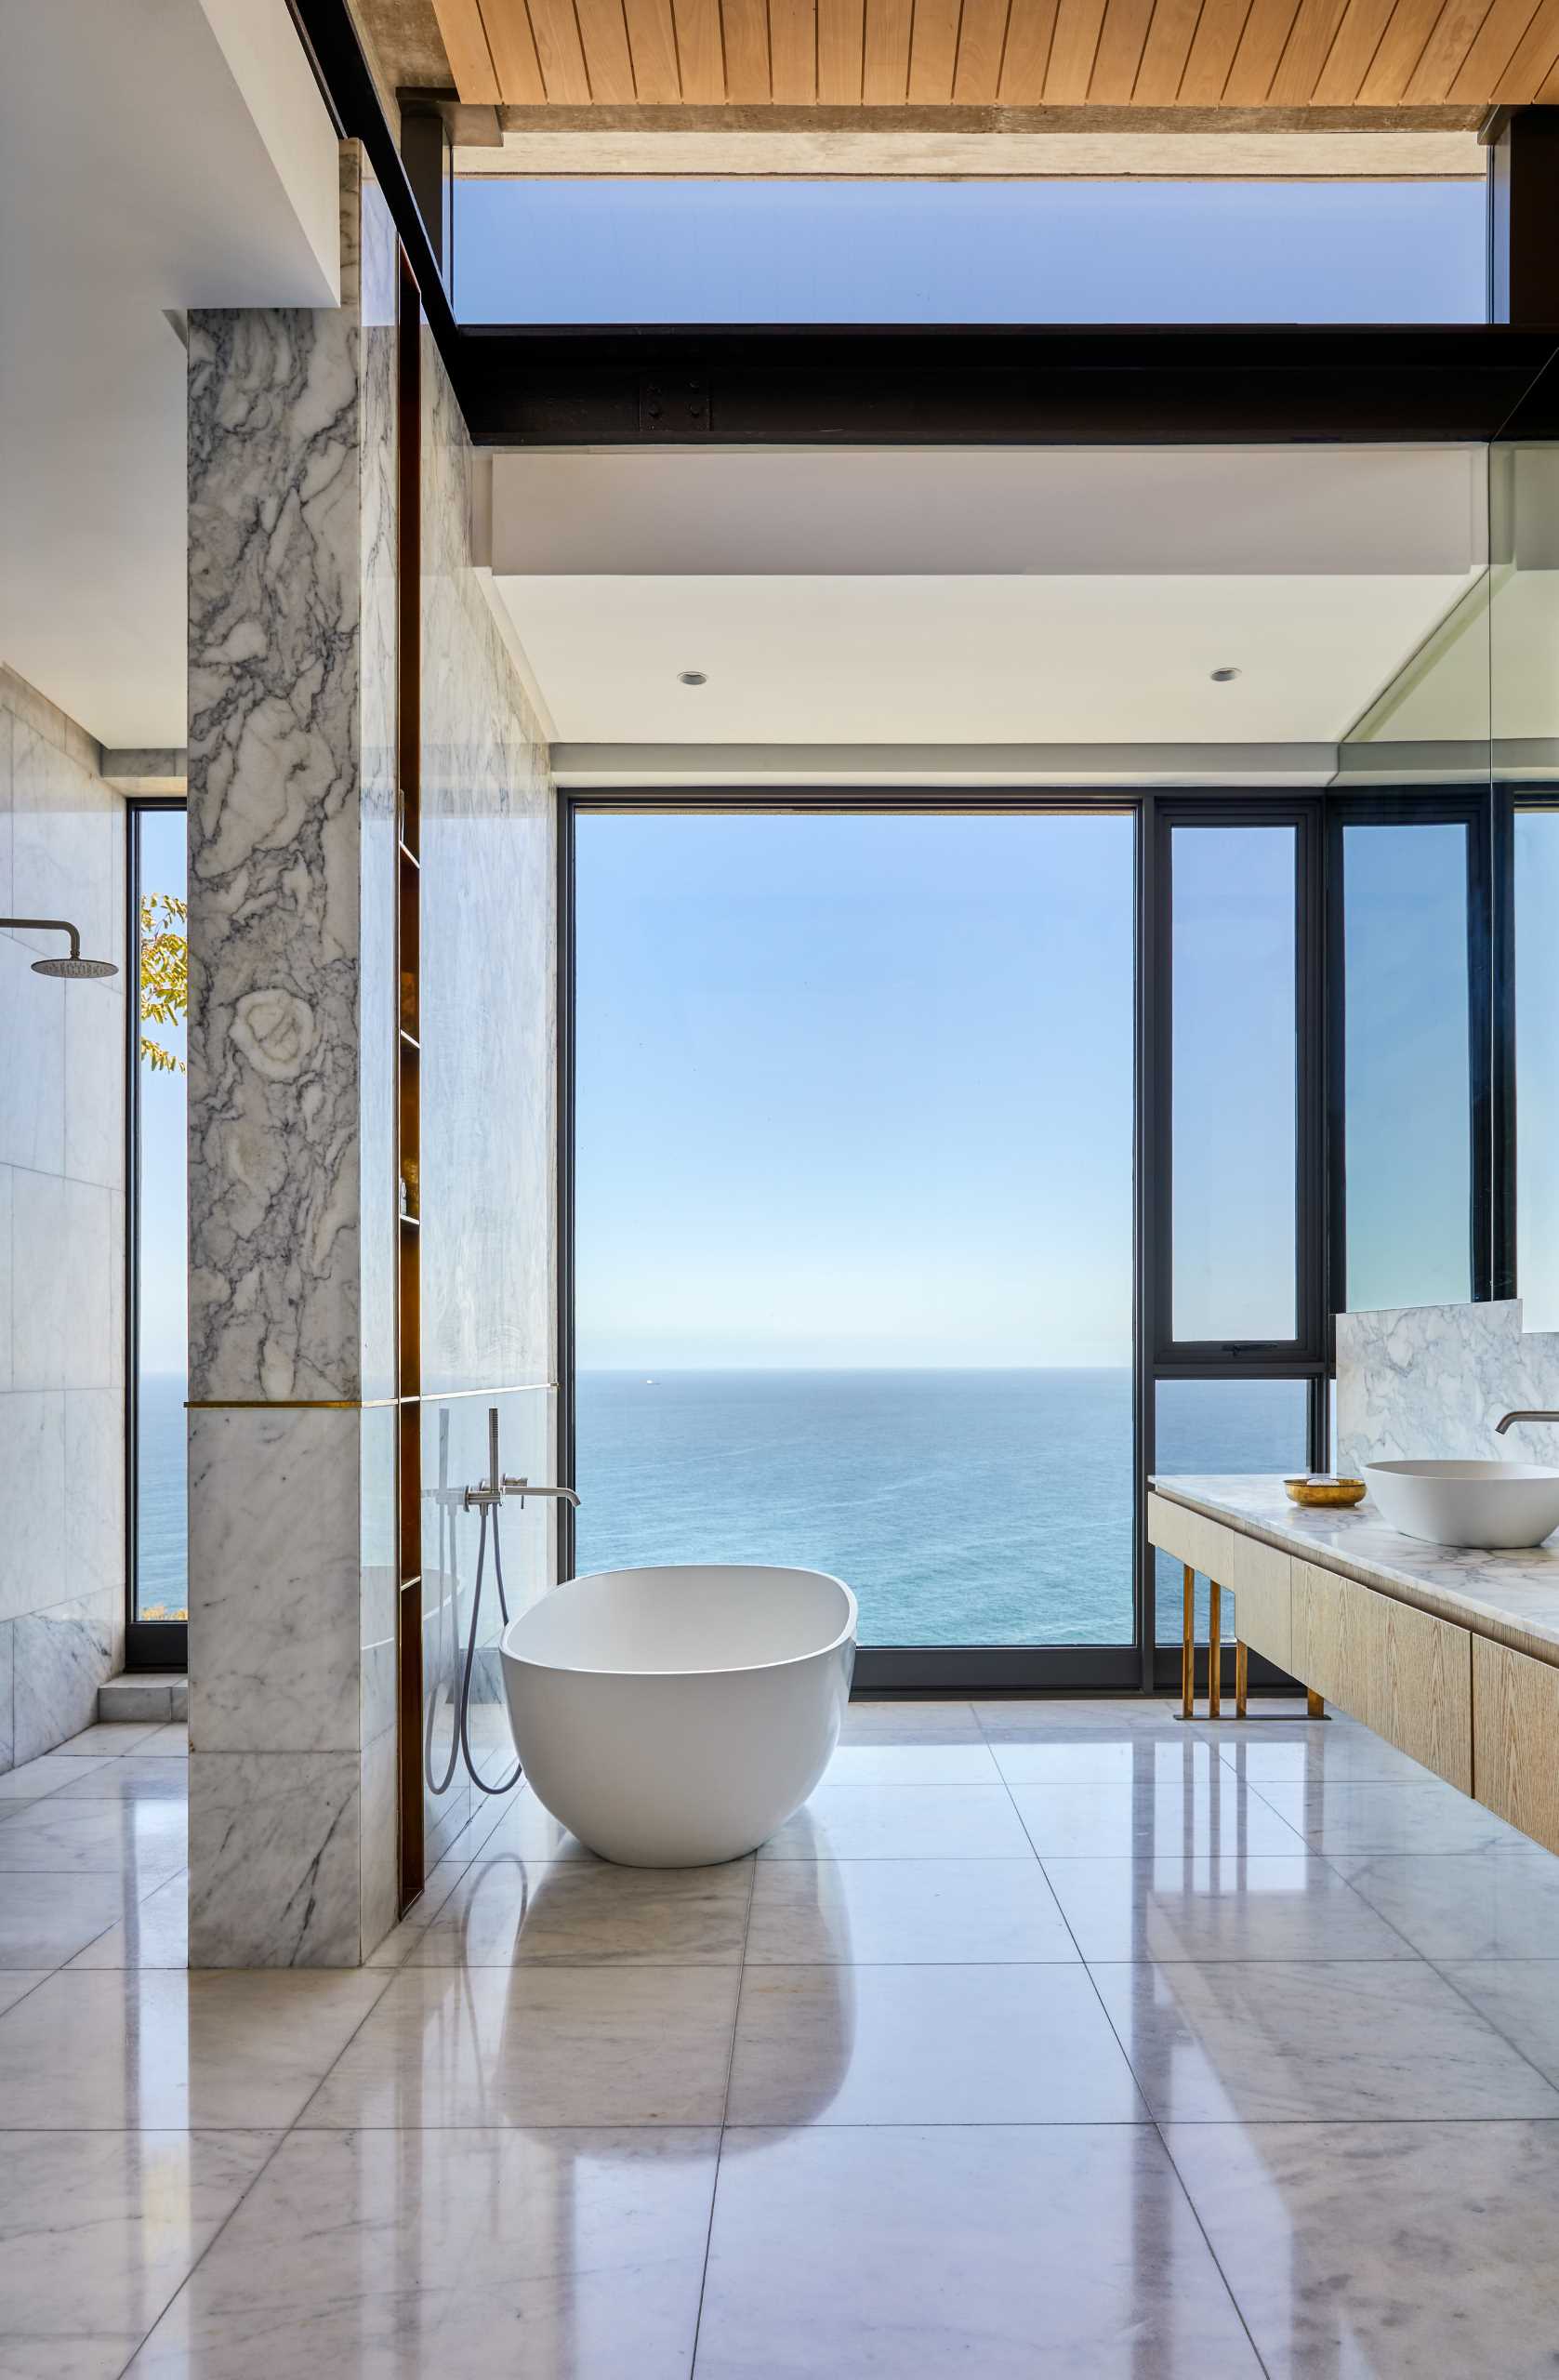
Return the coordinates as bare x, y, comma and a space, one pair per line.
853, 1150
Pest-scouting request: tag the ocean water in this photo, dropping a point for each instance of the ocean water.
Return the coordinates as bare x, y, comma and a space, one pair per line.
162, 1499
963, 1507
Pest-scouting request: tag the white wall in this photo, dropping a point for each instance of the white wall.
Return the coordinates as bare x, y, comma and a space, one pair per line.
62, 1234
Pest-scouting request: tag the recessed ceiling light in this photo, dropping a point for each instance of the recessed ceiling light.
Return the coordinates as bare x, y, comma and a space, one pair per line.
692, 677
1221, 676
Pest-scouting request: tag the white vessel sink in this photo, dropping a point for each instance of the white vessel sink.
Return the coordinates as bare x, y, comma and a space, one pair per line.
1467, 1503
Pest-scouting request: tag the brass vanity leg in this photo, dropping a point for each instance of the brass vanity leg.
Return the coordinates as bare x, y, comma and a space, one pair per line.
1242, 1677
1188, 1645
1215, 1645
1314, 1704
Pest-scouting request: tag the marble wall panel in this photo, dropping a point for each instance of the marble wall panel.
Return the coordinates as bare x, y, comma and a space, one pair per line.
274, 853
275, 1580
274, 1874
62, 833
59, 1657
489, 962
1433, 1380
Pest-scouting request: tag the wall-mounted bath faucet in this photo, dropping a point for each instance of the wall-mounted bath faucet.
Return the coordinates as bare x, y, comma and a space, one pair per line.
496, 1487
1524, 1414
523, 1487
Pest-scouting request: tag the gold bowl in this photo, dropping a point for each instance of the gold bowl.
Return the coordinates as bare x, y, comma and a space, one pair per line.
1322, 1488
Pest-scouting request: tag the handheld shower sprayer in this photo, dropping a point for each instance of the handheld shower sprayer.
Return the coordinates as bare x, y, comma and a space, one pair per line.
486, 1499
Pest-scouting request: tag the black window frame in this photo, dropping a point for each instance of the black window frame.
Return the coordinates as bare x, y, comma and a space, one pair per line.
1318, 818
160, 1644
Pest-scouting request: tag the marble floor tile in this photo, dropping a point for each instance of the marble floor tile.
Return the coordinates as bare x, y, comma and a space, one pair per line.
47, 1919
967, 1764
16, 1983
441, 1880
574, 1912
1004, 2253
1392, 2251
136, 1777
48, 1774
819, 1912
149, 2050
1217, 1909
1362, 1817
902, 1822
1323, 2041
890, 1721
1105, 1821
1463, 1905
1520, 1998
1143, 1757
557, 2255
536, 2046
1041, 1718
929, 2044
153, 1933
521, 1830
109, 1736
147, 1840
1334, 1754
99, 2229
170, 1743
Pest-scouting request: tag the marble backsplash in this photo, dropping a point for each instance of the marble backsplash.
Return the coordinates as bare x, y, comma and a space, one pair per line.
1433, 1380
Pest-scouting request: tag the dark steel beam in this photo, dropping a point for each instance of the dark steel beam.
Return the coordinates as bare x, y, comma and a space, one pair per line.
994, 386
1523, 217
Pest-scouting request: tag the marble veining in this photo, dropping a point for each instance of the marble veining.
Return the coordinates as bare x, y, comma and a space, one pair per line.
273, 853
1431, 1381
654, 2137
274, 1581
1513, 1595
294, 1017
274, 1874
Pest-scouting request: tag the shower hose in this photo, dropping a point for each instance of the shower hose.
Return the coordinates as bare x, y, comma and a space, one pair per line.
460, 1744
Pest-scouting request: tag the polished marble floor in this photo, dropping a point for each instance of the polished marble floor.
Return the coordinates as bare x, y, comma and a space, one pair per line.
1052, 2040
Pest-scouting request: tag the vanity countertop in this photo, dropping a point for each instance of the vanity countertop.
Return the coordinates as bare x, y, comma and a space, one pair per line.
1511, 1596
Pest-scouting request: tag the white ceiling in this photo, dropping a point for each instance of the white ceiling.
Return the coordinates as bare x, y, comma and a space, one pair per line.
1031, 598
155, 155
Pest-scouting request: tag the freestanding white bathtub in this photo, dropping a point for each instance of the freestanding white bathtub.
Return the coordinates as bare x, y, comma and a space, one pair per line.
673, 1718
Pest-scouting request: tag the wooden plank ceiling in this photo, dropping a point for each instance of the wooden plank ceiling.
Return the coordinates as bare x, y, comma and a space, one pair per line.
1204, 54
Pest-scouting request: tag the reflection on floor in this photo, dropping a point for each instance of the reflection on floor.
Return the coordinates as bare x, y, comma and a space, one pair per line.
1054, 2039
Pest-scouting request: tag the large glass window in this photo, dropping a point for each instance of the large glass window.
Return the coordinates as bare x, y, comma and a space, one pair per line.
1234, 1072
158, 1254
1408, 1060
595, 249
1215, 1428
854, 1210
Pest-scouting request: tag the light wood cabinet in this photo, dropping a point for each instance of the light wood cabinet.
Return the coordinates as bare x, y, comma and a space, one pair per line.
1515, 1747
1260, 1578
1190, 1537
1404, 1673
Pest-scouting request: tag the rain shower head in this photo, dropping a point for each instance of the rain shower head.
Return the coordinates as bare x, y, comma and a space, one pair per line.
76, 965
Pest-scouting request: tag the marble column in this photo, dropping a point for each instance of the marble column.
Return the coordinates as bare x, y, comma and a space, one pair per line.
292, 1040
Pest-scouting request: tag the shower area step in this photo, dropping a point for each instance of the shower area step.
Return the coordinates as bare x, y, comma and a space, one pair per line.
144, 1693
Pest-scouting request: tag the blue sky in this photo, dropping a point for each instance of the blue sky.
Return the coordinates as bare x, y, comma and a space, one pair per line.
580, 251
854, 1090
857, 1091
